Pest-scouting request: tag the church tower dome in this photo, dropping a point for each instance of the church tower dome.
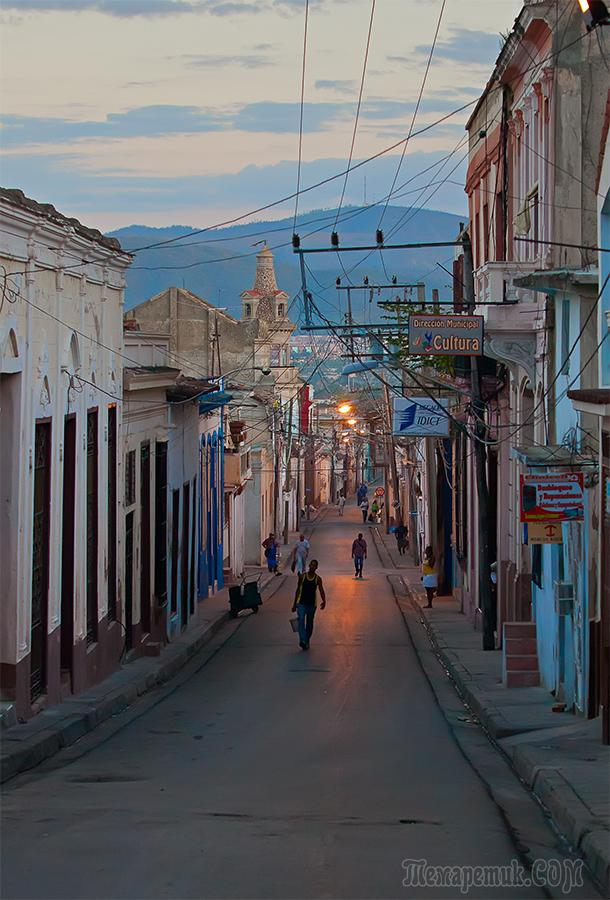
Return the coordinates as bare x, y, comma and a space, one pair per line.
264, 301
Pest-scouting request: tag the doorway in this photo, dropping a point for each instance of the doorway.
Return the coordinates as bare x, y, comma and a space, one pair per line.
129, 581
40, 559
184, 559
145, 548
67, 549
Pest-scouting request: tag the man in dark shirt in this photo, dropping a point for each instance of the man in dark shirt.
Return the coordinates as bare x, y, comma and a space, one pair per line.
305, 602
359, 554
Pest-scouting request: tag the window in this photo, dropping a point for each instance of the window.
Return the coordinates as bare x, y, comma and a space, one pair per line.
130, 478
534, 210
565, 337
485, 232
280, 310
248, 311
499, 241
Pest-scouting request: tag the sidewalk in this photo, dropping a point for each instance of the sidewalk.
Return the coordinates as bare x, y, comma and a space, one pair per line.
558, 755
24, 746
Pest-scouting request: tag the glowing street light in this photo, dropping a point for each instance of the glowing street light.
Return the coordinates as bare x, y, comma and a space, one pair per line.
345, 408
595, 12
352, 421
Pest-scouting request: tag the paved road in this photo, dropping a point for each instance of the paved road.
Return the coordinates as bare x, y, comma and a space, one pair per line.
271, 773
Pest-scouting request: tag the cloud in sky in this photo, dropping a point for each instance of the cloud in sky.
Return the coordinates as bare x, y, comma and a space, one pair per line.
156, 8
465, 45
336, 84
219, 60
111, 199
168, 119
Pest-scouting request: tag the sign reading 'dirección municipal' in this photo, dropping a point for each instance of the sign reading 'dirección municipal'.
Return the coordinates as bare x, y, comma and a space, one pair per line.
419, 417
445, 335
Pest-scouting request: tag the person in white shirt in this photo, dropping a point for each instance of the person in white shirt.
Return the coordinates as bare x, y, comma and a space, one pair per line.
341, 504
300, 554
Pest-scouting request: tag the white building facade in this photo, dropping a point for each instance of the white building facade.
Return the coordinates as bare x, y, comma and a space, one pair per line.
60, 388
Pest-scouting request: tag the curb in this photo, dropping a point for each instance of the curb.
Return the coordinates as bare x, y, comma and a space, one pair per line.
82, 713
583, 831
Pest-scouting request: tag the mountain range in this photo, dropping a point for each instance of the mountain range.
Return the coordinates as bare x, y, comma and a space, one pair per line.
218, 264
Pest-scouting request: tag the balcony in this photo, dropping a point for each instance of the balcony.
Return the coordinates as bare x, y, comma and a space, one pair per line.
493, 283
237, 467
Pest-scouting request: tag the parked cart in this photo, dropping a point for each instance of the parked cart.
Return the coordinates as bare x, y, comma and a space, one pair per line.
246, 595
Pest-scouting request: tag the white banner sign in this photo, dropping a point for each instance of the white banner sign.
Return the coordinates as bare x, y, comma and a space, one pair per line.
420, 417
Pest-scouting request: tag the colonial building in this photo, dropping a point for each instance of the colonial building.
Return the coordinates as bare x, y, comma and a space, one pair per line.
532, 206
61, 531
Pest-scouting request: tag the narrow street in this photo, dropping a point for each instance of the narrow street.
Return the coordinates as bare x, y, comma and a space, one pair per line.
272, 772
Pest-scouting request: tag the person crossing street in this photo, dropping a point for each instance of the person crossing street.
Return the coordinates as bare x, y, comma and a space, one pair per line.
305, 602
359, 554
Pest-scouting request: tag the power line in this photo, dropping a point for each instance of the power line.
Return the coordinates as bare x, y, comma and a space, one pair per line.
416, 110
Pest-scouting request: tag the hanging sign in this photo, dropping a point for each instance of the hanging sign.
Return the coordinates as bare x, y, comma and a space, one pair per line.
379, 492
544, 533
445, 335
554, 497
420, 417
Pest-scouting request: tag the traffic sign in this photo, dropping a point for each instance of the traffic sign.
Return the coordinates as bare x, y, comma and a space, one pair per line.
379, 492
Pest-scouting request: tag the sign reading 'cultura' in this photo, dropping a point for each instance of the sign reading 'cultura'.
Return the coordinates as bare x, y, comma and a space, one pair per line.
445, 335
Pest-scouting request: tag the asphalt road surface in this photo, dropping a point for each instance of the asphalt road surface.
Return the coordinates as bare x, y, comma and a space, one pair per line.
271, 773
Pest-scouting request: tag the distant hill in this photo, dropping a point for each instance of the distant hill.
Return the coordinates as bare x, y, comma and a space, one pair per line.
219, 264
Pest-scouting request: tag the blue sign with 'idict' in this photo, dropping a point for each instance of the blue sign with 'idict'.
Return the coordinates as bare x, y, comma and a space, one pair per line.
420, 417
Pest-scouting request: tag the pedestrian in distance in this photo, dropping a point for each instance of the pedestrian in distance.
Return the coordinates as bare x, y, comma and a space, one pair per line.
364, 509
341, 504
272, 553
401, 538
359, 554
300, 554
429, 575
305, 602
374, 512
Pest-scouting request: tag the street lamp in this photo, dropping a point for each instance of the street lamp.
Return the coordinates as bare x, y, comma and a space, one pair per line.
352, 421
595, 12
345, 408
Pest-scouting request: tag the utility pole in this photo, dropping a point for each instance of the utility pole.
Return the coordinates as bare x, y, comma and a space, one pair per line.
391, 453
480, 456
288, 479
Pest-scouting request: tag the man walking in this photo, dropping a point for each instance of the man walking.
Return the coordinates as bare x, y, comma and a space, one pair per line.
300, 554
305, 602
341, 504
359, 554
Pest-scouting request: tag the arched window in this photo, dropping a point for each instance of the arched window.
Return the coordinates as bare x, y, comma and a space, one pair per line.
527, 415
74, 353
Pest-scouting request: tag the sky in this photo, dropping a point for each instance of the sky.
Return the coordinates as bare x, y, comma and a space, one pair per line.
163, 112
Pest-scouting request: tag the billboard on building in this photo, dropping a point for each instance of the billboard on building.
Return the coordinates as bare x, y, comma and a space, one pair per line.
445, 335
553, 497
420, 417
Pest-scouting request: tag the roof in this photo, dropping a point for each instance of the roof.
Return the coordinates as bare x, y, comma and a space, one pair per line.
190, 388
47, 211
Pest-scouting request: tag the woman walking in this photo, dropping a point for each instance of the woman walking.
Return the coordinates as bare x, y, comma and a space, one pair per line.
429, 575
271, 553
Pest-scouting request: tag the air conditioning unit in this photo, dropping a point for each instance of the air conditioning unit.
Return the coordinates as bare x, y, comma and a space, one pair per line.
564, 598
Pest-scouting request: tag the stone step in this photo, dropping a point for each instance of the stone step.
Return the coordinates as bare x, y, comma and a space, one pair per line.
519, 630
522, 663
521, 646
522, 679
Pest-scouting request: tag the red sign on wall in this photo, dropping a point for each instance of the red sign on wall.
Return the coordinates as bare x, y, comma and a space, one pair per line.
554, 497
